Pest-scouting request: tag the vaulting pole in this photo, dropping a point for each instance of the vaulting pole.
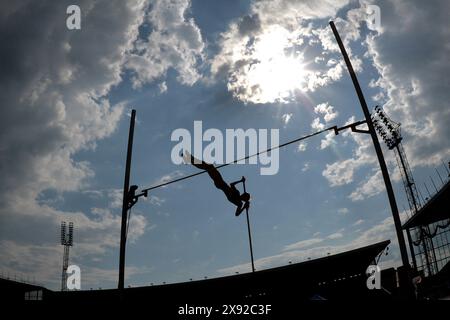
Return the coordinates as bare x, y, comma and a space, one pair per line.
376, 143
249, 232
126, 185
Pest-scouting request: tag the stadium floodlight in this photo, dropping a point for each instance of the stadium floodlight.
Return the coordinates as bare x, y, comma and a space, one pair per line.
388, 129
66, 237
63, 233
70, 240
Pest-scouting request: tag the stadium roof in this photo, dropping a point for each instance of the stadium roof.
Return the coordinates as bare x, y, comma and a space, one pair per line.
436, 209
341, 275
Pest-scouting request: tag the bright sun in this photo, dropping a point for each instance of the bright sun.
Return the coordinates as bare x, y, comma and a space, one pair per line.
275, 74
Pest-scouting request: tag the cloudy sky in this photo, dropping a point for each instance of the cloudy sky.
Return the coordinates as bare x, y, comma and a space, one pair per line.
66, 97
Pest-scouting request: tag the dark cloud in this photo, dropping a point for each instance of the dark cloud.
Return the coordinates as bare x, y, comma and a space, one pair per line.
53, 87
249, 24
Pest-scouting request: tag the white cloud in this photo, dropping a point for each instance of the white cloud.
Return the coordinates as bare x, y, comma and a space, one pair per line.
336, 235
373, 186
302, 146
162, 87
174, 42
94, 236
115, 196
48, 121
290, 11
303, 244
317, 125
35, 261
54, 92
253, 57
343, 211
328, 141
412, 79
341, 172
286, 118
358, 222
306, 167
327, 111
412, 95
157, 201
43, 262
380, 232
168, 177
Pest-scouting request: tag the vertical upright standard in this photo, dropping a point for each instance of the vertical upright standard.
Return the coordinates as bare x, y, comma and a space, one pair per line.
376, 144
67, 242
125, 202
249, 232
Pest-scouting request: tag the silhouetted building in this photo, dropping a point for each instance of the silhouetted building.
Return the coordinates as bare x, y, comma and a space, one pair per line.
430, 233
336, 277
11, 290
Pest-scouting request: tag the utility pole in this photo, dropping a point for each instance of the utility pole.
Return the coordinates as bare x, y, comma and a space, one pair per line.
126, 186
376, 144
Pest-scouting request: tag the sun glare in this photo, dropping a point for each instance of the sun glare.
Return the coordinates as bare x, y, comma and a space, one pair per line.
276, 73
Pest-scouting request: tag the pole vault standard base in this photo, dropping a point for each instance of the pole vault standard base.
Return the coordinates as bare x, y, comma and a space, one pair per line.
250, 240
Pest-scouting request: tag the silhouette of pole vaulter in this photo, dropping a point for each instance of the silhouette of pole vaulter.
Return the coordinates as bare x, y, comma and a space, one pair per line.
241, 201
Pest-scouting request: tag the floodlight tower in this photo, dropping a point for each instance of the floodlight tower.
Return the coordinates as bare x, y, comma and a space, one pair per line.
67, 242
389, 131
